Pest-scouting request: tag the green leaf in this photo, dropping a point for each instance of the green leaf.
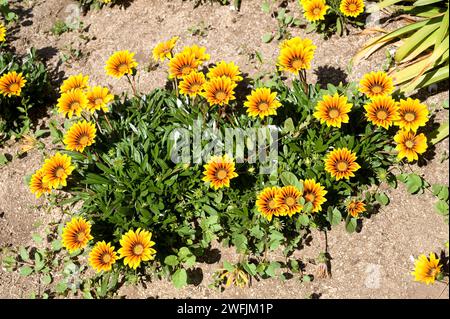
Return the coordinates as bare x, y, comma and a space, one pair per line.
442, 207
414, 183
46, 279
56, 245
334, 216
272, 268
24, 254
228, 266
289, 125
171, 260
61, 287
288, 178
250, 268
351, 224
303, 219
179, 278
266, 38
25, 271
382, 198
440, 191
37, 238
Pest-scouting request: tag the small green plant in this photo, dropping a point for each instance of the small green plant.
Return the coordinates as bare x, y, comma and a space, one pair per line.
200, 29
6, 12
284, 21
61, 27
14, 110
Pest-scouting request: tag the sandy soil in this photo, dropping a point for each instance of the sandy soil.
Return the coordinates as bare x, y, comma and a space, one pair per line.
375, 263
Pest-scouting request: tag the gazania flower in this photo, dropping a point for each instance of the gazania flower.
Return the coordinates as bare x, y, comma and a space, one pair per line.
333, 110
136, 247
356, 207
262, 102
219, 171
12, 83
102, 256
98, 98
412, 114
199, 53
163, 50
267, 205
426, 269
72, 102
192, 84
288, 197
296, 41
2, 32
75, 82
37, 186
121, 63
219, 91
409, 144
295, 58
230, 70
56, 169
382, 111
182, 64
376, 84
80, 135
352, 8
76, 234
341, 163
315, 10
315, 193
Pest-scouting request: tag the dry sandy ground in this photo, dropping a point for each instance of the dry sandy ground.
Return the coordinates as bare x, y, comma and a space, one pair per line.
374, 263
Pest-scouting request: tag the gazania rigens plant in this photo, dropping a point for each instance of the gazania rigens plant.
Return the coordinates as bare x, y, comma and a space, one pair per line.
160, 194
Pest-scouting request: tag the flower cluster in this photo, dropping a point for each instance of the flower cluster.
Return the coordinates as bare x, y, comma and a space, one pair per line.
135, 246
315, 10
289, 200
76, 96
383, 111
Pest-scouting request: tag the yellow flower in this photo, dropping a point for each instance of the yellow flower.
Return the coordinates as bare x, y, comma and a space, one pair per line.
376, 84
182, 64
409, 144
80, 135
288, 197
192, 84
296, 41
72, 102
262, 102
56, 170
352, 8
199, 53
341, 163
315, 10
333, 110
2, 32
295, 58
315, 193
75, 82
267, 205
163, 50
98, 98
230, 70
136, 247
76, 234
102, 256
426, 269
382, 111
121, 63
219, 171
12, 83
219, 91
37, 186
356, 207
412, 114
